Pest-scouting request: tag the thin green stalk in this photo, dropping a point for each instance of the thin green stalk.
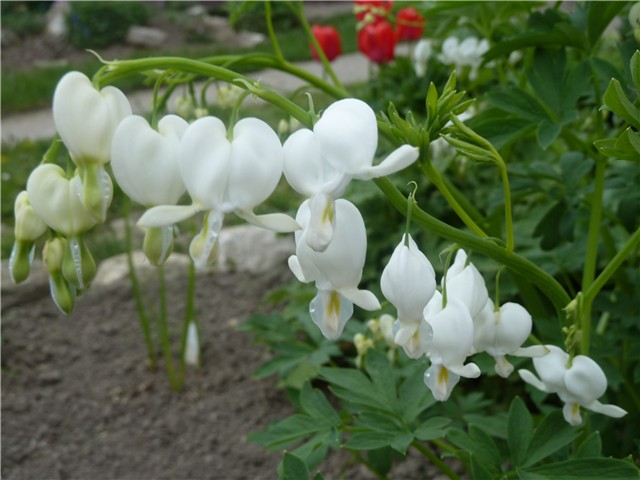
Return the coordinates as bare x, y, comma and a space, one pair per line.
323, 58
163, 330
593, 236
443, 467
272, 34
434, 176
143, 319
627, 249
464, 202
519, 265
508, 215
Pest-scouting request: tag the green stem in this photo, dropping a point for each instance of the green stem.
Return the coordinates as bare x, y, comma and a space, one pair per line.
126, 68
627, 249
434, 176
443, 467
591, 259
272, 33
508, 215
143, 319
323, 58
163, 330
519, 265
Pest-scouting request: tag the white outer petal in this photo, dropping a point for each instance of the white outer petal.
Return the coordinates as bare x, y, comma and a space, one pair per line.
256, 163
145, 162
205, 155
86, 118
551, 368
397, 160
348, 135
55, 200
452, 335
585, 380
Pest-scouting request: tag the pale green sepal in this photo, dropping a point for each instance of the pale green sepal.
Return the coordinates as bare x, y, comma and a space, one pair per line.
20, 260
167, 215
158, 244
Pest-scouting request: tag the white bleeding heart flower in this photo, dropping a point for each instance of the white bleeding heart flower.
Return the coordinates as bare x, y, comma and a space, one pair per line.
465, 283
86, 119
451, 343
578, 383
336, 271
192, 347
408, 281
320, 163
224, 176
145, 162
502, 332
421, 55
55, 199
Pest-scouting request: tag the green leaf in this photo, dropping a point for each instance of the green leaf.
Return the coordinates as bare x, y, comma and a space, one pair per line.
382, 378
518, 102
547, 133
495, 425
591, 447
314, 403
625, 147
547, 76
370, 440
486, 449
599, 17
318, 476
551, 435
478, 470
353, 386
616, 100
413, 397
380, 460
519, 430
432, 428
280, 435
293, 468
583, 469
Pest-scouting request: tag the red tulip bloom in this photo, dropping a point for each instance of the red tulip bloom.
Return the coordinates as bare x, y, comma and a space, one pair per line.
372, 11
377, 41
329, 40
409, 24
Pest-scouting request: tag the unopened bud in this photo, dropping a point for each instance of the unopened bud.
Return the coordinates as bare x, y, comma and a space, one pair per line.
63, 294
185, 107
97, 190
158, 244
29, 226
20, 260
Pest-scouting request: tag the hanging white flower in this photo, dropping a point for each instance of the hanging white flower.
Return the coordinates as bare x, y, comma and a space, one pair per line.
465, 283
222, 176
421, 55
28, 228
451, 343
320, 163
502, 332
408, 281
86, 119
336, 271
578, 383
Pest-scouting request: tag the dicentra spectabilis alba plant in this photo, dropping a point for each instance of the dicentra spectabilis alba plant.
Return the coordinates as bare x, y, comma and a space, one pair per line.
336, 270
320, 163
225, 172
145, 163
86, 119
578, 381
409, 282
465, 283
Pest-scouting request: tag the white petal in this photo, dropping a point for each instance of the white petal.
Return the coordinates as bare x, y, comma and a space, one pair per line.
322, 220
408, 280
397, 160
192, 349
503, 367
55, 200
86, 118
305, 169
276, 222
585, 380
145, 162
606, 409
452, 335
531, 379
532, 351
440, 381
348, 135
470, 370
167, 215
202, 248
205, 155
363, 298
296, 269
330, 311
571, 412
467, 286
551, 368
256, 163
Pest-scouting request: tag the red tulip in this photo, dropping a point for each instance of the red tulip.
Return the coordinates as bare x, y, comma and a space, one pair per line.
329, 40
409, 24
375, 10
377, 41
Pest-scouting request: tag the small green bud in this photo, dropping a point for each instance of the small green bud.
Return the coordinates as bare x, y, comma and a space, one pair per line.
185, 107
20, 260
97, 190
78, 265
29, 226
53, 254
158, 244
63, 294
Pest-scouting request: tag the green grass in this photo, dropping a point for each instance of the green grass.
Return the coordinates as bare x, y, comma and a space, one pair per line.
33, 88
